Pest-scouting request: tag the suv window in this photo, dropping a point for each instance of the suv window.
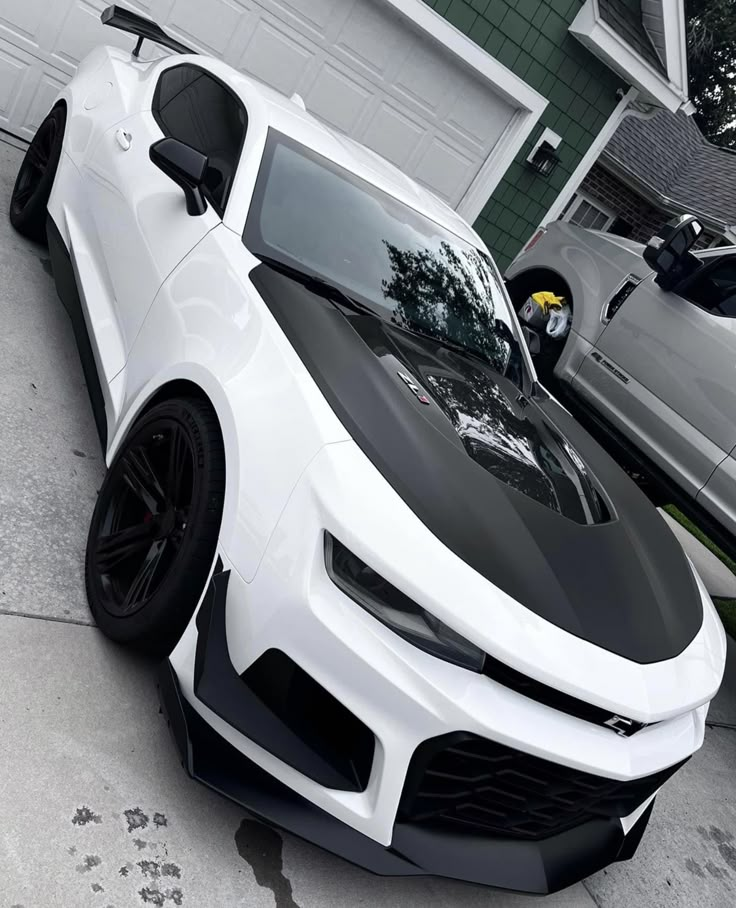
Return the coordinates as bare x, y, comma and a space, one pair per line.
714, 287
194, 107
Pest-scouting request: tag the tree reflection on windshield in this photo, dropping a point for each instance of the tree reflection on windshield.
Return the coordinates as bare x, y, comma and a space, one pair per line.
450, 294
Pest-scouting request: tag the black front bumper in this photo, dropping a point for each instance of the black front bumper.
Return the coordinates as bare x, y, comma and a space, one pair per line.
539, 867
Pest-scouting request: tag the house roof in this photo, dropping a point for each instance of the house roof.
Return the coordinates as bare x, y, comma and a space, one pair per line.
669, 156
625, 17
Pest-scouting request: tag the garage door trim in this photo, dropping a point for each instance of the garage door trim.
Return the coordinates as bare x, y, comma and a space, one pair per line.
529, 103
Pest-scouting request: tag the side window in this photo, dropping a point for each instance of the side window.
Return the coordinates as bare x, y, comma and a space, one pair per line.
713, 287
192, 106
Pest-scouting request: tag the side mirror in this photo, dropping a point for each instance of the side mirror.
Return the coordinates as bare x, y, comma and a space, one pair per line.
185, 166
669, 253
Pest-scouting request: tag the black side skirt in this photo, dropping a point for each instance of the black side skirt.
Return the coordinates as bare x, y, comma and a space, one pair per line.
66, 287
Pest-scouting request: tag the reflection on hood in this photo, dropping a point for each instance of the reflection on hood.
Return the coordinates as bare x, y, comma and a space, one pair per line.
501, 430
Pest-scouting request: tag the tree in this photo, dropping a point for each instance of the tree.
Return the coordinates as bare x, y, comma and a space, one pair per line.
711, 44
448, 294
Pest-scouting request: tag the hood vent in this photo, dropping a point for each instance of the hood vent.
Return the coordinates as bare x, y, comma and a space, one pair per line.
619, 297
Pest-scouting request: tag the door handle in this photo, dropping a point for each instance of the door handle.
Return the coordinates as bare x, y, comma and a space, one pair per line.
123, 139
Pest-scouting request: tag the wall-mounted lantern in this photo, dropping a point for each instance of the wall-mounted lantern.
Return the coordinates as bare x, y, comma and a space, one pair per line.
544, 157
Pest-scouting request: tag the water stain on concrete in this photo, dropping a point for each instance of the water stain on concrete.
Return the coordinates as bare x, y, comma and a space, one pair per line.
159, 819
84, 815
97, 888
158, 898
171, 869
139, 844
135, 818
715, 871
262, 848
728, 853
78, 453
714, 834
89, 863
150, 868
695, 868
125, 869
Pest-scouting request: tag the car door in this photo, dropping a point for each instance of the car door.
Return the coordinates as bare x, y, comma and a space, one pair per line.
140, 213
663, 371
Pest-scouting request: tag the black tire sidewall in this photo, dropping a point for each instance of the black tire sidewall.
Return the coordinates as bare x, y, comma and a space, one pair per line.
158, 625
31, 219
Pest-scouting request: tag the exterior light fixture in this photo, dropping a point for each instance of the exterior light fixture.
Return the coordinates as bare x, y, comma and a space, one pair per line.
544, 157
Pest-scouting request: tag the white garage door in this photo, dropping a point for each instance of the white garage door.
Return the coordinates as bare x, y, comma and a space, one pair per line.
358, 64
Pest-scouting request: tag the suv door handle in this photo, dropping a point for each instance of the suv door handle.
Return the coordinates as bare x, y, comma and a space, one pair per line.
123, 139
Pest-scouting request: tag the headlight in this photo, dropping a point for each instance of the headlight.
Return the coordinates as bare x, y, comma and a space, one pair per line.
392, 608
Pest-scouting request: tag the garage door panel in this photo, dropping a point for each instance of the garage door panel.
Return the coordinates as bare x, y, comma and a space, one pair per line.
47, 88
421, 81
78, 32
368, 39
316, 15
392, 134
444, 169
23, 19
12, 71
478, 117
276, 58
211, 32
338, 98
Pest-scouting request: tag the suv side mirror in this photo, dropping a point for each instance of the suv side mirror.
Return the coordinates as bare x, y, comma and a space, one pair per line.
669, 253
185, 166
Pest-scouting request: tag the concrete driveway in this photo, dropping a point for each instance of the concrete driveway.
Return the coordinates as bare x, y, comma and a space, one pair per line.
95, 809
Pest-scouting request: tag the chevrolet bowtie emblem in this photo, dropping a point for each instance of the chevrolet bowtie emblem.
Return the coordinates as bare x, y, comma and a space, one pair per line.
621, 726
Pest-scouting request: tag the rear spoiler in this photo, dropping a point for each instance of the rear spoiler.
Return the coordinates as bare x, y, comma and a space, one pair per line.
128, 21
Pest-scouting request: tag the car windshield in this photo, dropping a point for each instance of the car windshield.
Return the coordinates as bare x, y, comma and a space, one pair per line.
319, 218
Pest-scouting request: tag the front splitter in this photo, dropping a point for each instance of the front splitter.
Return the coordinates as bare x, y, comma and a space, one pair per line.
539, 867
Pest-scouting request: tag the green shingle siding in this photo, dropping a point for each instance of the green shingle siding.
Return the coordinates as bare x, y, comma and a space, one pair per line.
531, 38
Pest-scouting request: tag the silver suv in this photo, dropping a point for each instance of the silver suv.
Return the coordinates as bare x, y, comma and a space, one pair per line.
650, 358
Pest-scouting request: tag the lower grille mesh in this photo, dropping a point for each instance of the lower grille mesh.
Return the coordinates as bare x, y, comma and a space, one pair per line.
471, 784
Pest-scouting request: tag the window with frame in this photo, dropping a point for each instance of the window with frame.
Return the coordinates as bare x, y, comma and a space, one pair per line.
585, 211
196, 108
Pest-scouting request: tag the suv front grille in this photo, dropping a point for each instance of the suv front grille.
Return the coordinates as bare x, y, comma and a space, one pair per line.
476, 786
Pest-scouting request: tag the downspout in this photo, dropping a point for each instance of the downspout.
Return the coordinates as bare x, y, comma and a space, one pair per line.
590, 156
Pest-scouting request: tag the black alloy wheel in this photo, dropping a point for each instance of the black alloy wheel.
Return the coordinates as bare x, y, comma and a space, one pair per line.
155, 527
28, 203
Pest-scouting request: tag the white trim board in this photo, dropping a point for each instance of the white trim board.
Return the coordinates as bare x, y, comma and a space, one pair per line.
529, 103
590, 157
606, 44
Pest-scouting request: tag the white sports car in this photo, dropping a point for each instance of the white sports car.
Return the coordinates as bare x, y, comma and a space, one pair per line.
411, 611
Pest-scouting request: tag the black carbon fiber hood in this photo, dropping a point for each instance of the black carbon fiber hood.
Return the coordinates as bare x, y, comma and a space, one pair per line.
510, 483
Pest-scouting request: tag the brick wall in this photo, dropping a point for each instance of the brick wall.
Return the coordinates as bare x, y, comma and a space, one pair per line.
645, 219
531, 38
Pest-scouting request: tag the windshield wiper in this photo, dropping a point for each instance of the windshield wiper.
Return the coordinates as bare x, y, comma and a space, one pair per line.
319, 285
443, 341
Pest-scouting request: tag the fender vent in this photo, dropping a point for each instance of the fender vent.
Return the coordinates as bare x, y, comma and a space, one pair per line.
620, 295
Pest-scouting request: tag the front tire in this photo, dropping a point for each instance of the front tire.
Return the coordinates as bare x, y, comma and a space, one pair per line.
155, 526
30, 198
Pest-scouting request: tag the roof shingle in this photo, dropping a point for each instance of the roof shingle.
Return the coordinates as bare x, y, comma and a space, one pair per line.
670, 154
